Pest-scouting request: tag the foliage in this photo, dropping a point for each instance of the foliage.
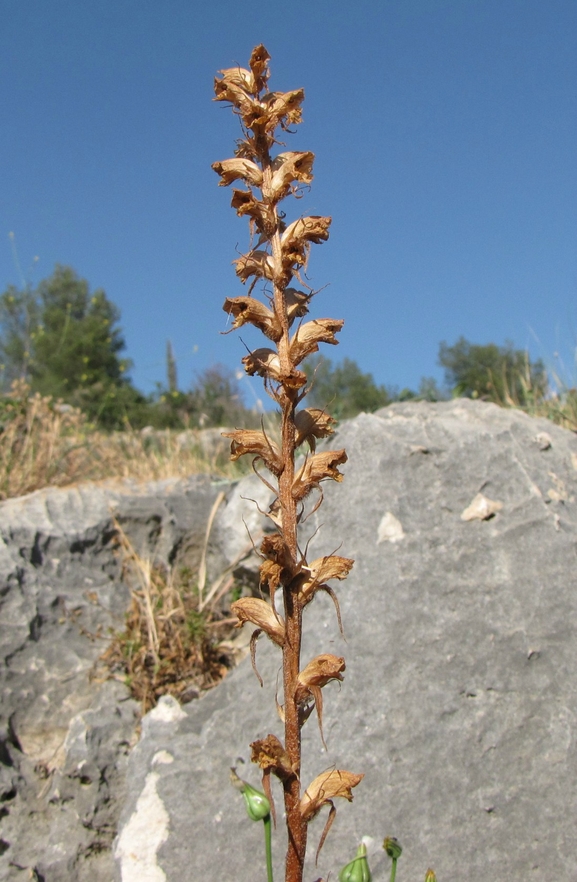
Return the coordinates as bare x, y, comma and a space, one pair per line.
44, 442
171, 374
65, 342
501, 374
428, 391
215, 399
344, 389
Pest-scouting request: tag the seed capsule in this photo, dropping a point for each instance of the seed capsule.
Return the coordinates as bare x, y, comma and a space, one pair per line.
358, 870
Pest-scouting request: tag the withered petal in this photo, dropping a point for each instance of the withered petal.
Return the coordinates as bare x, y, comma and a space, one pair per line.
255, 263
237, 76
252, 311
232, 169
296, 303
261, 614
264, 362
307, 337
326, 786
315, 469
312, 423
289, 167
229, 89
270, 575
275, 108
268, 753
321, 670
275, 548
259, 66
331, 566
253, 441
306, 229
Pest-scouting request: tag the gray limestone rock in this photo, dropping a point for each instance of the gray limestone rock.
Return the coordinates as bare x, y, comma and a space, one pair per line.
65, 737
459, 699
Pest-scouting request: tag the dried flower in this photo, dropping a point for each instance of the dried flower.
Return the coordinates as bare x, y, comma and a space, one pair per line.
325, 787
261, 614
289, 167
269, 754
317, 468
252, 311
320, 671
309, 335
312, 423
280, 252
232, 169
257, 443
255, 263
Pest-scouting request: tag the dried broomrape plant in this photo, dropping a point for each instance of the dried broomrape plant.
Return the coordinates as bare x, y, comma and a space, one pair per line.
276, 264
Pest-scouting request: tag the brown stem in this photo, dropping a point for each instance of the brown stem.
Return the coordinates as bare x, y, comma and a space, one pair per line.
296, 827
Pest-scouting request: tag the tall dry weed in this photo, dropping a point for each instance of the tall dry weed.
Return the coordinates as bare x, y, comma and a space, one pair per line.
47, 443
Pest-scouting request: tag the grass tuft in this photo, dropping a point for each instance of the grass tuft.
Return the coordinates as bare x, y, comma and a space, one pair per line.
176, 640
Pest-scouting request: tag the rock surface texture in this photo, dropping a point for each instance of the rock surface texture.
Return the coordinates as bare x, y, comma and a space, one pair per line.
459, 699
65, 737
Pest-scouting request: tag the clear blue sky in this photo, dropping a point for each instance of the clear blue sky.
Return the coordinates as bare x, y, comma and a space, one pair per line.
445, 134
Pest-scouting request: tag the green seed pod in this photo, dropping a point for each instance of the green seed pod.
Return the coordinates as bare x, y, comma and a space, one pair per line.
257, 805
393, 847
430, 876
358, 870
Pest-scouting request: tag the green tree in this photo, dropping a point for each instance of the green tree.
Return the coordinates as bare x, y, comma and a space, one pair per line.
501, 374
344, 388
171, 374
65, 342
218, 400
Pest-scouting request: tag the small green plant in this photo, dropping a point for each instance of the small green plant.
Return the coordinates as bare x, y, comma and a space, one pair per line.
277, 263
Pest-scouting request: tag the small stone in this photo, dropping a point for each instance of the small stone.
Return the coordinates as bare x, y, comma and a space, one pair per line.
481, 509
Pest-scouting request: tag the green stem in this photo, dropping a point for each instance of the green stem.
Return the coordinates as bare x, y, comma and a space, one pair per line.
393, 869
268, 847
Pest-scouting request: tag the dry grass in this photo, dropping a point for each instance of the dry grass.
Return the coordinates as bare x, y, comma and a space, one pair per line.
177, 634
46, 443
560, 409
